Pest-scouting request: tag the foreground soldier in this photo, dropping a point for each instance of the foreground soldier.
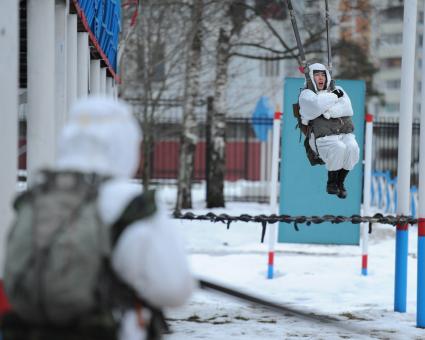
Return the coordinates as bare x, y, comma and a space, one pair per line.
91, 256
328, 116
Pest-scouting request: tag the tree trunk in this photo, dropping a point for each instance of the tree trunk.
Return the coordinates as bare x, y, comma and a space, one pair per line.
147, 149
189, 135
215, 194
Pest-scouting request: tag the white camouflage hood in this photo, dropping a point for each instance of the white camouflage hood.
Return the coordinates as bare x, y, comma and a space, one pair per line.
100, 136
319, 67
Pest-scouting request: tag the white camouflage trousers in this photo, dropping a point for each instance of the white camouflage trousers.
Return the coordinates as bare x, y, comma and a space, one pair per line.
337, 151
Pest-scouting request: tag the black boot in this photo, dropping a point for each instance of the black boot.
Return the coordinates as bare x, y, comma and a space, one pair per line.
332, 185
342, 174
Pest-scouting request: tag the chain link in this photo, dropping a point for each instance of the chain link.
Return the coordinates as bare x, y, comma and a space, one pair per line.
295, 220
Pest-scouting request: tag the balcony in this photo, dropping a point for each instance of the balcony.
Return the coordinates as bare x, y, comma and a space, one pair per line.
102, 20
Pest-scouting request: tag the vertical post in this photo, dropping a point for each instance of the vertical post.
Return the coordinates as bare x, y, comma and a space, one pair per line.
95, 77
9, 28
263, 161
103, 81
109, 87
210, 113
41, 143
72, 68
273, 191
366, 189
83, 58
61, 25
420, 299
404, 151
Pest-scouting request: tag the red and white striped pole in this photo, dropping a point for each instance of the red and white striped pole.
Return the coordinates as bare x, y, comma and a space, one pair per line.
273, 191
366, 189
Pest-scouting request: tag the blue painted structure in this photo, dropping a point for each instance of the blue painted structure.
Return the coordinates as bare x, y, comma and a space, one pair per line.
104, 20
303, 187
384, 194
262, 118
420, 299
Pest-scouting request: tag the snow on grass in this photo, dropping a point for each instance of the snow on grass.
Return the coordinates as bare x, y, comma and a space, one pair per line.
320, 279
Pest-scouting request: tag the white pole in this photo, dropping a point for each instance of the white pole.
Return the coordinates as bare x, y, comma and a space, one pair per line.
72, 60
41, 78
404, 151
366, 189
103, 80
420, 301
60, 64
273, 191
109, 87
115, 90
9, 26
95, 77
83, 58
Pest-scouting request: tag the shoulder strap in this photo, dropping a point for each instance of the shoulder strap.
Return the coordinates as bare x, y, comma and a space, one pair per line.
141, 206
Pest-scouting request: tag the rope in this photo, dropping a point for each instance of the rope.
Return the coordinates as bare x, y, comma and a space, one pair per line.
296, 220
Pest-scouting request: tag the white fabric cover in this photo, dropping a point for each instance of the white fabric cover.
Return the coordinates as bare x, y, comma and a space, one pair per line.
103, 136
337, 151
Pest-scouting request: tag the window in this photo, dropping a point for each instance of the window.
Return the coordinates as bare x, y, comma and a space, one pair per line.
393, 13
271, 9
391, 62
158, 64
310, 3
392, 107
393, 84
392, 39
270, 68
421, 17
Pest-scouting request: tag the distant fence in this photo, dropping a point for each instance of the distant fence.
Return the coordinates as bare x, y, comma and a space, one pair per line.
248, 160
384, 194
385, 147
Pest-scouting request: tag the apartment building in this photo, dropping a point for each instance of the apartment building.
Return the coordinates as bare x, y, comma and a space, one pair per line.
386, 51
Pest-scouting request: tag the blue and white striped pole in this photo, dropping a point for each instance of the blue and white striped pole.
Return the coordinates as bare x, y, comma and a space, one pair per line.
273, 191
420, 298
404, 151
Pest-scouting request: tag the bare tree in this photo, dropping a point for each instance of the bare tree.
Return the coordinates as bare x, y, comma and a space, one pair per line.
189, 135
151, 65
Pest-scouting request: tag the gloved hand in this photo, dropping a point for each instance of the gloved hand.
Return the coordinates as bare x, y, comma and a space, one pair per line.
327, 115
338, 92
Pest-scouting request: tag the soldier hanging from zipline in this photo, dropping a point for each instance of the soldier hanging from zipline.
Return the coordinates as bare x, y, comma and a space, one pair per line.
324, 114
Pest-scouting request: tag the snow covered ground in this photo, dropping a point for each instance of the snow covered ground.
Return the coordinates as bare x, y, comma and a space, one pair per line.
317, 279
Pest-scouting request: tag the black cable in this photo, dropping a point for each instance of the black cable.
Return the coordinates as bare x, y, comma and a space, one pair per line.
276, 307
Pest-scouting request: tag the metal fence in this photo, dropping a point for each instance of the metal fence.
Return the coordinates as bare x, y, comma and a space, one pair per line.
385, 147
248, 160
246, 165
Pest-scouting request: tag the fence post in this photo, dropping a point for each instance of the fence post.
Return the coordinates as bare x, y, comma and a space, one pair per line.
366, 189
273, 190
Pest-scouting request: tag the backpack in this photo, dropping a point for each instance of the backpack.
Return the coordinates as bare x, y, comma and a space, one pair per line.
312, 156
57, 268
